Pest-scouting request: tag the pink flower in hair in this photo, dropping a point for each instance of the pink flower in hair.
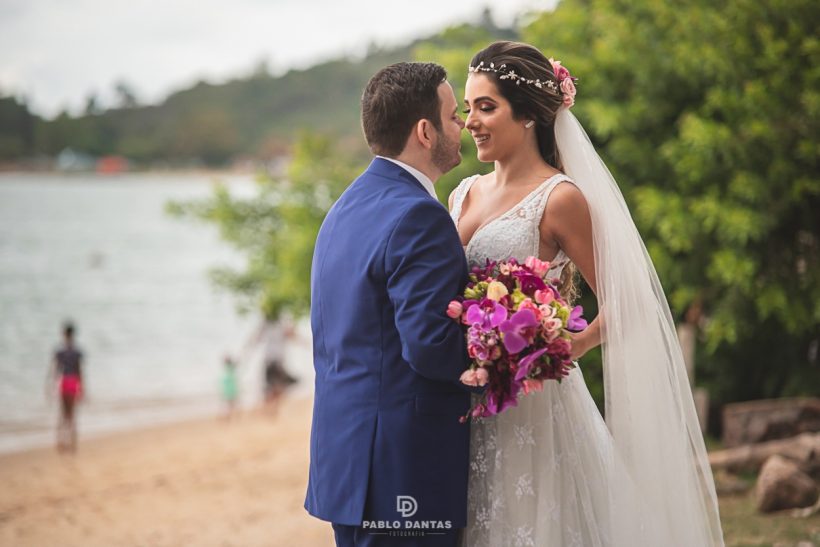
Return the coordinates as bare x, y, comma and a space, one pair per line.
568, 89
561, 73
565, 82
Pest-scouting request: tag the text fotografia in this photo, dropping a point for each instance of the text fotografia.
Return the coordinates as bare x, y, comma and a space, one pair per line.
396, 525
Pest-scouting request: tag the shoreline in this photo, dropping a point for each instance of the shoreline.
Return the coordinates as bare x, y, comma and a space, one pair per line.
204, 481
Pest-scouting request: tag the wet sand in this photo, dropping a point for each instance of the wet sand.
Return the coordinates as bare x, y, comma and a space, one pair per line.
207, 482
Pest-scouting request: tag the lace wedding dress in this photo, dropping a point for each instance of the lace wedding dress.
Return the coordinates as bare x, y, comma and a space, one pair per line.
539, 472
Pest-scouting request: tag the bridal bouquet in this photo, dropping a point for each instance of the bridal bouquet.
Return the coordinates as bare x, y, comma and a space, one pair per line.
517, 328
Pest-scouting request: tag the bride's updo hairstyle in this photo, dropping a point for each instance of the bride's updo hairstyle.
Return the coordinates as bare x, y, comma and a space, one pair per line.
526, 79
524, 76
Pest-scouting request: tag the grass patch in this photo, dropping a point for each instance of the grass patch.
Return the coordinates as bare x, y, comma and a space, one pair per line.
743, 526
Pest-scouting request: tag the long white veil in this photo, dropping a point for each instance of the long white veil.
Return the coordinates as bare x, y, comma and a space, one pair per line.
649, 406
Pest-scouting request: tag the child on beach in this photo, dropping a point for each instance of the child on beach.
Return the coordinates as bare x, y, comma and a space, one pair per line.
230, 387
67, 375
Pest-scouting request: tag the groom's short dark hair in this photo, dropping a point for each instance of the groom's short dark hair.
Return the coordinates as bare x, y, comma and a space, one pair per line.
395, 99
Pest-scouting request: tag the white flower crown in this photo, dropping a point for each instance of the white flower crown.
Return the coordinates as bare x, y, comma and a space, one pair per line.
565, 89
511, 75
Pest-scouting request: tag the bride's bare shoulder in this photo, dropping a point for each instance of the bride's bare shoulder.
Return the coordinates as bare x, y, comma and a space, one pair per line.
565, 196
565, 207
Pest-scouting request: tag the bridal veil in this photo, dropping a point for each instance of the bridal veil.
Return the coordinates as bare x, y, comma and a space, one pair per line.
649, 406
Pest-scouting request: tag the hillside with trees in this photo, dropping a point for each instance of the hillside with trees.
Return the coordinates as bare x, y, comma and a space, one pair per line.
257, 117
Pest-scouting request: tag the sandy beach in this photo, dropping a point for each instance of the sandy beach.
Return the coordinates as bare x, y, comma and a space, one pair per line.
213, 483
206, 482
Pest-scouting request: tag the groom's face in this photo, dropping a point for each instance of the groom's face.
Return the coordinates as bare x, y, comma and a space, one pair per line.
447, 148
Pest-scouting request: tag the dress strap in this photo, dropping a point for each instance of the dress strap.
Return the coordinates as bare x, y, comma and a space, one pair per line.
545, 195
560, 259
461, 192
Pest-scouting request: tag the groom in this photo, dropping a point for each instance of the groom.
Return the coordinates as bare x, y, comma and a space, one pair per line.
388, 456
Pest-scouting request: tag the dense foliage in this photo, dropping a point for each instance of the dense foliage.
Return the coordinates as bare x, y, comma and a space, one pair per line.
707, 115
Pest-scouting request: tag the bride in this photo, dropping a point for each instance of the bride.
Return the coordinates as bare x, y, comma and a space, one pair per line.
550, 472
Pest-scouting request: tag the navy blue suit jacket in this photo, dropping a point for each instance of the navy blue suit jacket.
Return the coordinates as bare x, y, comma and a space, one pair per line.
387, 262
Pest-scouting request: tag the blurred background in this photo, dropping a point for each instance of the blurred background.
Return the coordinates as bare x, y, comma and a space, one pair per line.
165, 167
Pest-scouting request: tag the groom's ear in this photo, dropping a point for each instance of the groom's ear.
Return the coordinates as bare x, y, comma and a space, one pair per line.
424, 133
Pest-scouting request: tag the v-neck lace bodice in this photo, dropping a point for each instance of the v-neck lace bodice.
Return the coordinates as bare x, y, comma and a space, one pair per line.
514, 233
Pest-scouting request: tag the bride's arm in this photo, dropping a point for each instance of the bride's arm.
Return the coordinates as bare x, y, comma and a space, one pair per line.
567, 224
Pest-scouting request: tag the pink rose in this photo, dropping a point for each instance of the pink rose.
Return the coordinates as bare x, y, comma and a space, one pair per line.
568, 89
454, 309
531, 386
547, 312
544, 297
528, 304
553, 325
560, 72
539, 267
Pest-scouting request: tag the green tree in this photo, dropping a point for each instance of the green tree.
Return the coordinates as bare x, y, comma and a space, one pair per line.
707, 114
16, 129
125, 94
276, 229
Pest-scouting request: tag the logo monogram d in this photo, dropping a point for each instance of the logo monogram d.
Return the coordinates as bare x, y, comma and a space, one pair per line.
406, 506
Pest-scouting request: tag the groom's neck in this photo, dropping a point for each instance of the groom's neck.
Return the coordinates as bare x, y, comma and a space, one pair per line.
420, 162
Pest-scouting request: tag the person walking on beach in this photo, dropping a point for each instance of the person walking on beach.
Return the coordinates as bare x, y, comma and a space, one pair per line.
67, 375
273, 335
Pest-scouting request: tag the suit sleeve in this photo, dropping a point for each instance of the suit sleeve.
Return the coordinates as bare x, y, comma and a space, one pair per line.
426, 269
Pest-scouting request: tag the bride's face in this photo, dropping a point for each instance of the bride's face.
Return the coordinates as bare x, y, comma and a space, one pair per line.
490, 121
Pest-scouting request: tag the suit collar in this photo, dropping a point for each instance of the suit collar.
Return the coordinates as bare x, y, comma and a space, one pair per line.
417, 174
387, 168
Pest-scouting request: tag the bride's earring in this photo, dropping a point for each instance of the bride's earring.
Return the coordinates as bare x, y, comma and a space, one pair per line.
529, 124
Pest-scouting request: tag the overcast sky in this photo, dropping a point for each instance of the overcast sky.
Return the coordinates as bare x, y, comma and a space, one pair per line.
57, 52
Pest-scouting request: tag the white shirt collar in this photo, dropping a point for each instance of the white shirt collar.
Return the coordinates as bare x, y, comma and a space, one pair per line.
421, 177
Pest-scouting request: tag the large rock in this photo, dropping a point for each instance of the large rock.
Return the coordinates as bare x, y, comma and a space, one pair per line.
758, 421
781, 485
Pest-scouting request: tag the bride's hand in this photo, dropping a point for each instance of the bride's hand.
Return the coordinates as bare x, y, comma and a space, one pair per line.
579, 345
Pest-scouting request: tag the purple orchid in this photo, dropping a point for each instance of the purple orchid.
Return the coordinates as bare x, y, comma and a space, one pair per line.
499, 402
576, 323
515, 330
529, 282
487, 314
525, 364
466, 305
485, 272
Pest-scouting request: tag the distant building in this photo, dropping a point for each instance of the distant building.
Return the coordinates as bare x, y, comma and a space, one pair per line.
70, 160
